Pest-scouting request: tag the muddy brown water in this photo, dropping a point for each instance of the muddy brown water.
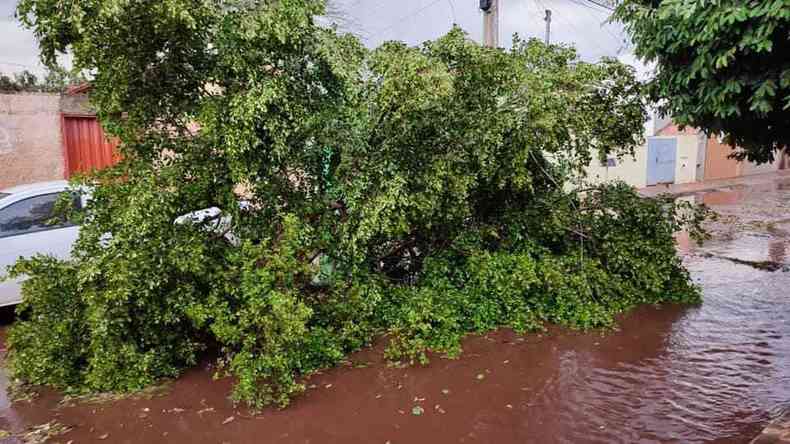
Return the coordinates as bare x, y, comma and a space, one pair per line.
718, 372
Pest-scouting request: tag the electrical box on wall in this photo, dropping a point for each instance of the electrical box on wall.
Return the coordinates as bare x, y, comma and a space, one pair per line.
485, 5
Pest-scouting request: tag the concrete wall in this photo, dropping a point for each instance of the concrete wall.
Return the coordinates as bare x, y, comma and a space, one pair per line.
749, 168
31, 149
713, 143
631, 170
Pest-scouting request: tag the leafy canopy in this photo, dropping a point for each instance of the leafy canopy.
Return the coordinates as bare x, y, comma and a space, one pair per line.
722, 66
420, 192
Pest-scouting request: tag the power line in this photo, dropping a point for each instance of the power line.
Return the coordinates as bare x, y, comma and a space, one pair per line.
582, 3
570, 23
619, 38
607, 7
452, 11
405, 17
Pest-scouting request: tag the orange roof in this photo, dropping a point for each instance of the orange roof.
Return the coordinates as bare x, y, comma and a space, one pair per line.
79, 88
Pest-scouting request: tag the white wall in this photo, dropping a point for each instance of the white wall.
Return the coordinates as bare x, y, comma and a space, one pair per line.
631, 170
687, 159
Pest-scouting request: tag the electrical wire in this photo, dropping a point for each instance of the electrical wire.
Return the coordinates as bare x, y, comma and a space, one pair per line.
584, 4
576, 29
452, 11
621, 38
405, 17
607, 7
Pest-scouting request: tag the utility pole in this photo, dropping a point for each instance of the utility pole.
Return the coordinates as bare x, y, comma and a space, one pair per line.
548, 26
490, 10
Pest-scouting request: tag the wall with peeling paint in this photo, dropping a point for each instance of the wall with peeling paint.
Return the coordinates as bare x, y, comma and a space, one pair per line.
31, 148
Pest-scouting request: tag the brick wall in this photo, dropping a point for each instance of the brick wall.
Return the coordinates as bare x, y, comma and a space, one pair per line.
30, 139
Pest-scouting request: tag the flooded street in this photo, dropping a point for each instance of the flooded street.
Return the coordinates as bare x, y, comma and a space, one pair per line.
718, 372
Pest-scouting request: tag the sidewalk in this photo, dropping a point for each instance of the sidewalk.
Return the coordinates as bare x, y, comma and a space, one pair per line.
696, 187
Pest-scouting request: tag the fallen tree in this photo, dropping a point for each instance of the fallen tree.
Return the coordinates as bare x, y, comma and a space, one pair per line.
422, 193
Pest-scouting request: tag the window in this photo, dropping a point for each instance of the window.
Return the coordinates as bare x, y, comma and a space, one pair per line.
33, 214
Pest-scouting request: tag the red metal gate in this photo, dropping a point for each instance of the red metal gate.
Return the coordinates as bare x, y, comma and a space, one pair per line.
85, 145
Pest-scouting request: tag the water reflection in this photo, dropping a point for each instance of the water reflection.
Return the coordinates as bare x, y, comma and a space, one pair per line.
777, 251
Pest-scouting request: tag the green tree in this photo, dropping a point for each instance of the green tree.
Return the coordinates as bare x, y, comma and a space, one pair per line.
721, 66
24, 81
56, 79
419, 191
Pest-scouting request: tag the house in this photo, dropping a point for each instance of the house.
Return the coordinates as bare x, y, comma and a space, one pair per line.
47, 136
671, 155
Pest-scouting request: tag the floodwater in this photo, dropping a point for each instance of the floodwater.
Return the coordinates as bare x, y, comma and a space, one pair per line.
717, 372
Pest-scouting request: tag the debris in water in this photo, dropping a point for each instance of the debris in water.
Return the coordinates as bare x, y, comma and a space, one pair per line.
105, 436
43, 432
229, 420
445, 391
480, 376
758, 265
417, 410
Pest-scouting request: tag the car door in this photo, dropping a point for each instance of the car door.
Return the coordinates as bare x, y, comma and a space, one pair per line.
26, 229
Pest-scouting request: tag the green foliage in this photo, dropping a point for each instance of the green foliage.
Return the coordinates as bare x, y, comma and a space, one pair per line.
721, 66
49, 342
475, 294
419, 193
56, 79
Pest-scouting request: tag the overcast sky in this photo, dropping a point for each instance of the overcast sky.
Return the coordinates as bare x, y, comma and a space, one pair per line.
576, 22
414, 21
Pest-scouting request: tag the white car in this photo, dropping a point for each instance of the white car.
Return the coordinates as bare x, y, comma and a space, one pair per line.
26, 213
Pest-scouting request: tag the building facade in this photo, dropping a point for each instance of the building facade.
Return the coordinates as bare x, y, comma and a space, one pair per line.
50, 136
674, 156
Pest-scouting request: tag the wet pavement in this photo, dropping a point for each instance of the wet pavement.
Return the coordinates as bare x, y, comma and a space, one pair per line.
718, 372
